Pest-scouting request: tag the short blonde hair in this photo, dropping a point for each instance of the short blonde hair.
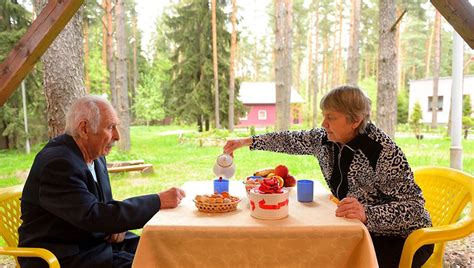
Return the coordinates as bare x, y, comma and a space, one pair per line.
351, 101
85, 108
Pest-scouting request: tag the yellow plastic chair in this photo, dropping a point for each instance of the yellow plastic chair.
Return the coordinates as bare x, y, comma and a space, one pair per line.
10, 221
447, 191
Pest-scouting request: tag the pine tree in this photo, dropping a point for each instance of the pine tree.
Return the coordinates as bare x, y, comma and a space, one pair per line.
467, 120
189, 96
415, 119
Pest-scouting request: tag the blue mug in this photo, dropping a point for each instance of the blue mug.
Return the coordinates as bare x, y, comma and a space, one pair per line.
221, 185
305, 190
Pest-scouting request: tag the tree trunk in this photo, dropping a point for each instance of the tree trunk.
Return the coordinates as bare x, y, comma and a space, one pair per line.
214, 58
233, 45
309, 78
354, 56
86, 56
428, 51
122, 79
110, 51
283, 10
104, 46
325, 73
387, 69
134, 60
436, 67
338, 48
316, 64
63, 72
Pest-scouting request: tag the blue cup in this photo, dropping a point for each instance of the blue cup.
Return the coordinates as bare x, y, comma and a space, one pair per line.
305, 190
221, 186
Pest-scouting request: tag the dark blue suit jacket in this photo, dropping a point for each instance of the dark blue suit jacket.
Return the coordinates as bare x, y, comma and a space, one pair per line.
66, 211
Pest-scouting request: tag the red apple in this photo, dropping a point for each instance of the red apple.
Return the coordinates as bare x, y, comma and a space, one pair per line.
289, 181
281, 170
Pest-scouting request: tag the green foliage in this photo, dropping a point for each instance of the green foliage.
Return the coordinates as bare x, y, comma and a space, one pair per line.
466, 106
148, 100
415, 118
252, 130
14, 19
190, 95
467, 120
369, 85
402, 107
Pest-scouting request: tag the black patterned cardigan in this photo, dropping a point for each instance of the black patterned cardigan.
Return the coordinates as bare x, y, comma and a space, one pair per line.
370, 168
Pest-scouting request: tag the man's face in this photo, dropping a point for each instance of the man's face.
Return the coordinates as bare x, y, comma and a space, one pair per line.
100, 143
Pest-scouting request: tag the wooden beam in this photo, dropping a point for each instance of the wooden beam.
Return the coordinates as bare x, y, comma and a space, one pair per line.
460, 14
42, 32
143, 168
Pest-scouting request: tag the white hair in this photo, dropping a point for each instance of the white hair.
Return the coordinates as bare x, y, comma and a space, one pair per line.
85, 108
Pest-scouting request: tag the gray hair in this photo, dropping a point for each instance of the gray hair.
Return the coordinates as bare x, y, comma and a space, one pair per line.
351, 101
85, 108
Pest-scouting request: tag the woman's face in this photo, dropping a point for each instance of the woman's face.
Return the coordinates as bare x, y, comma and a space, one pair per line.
338, 127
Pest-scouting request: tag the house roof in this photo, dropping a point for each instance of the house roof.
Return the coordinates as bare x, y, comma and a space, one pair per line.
263, 93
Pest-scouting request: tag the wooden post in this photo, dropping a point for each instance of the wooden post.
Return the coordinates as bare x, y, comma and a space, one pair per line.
50, 22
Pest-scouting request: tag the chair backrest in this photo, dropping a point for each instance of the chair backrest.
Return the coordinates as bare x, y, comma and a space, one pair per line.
10, 213
447, 192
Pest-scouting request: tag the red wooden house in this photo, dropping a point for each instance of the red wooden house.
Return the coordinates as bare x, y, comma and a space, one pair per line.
260, 99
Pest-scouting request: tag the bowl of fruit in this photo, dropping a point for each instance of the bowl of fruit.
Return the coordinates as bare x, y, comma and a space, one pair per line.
280, 172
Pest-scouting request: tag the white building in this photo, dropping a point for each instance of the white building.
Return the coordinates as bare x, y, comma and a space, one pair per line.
422, 91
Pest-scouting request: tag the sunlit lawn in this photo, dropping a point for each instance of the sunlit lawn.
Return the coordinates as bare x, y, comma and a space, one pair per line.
175, 163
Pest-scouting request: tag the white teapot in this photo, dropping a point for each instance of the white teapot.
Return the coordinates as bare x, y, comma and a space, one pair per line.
224, 166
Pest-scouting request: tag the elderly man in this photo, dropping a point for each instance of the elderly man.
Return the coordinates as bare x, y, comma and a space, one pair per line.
67, 205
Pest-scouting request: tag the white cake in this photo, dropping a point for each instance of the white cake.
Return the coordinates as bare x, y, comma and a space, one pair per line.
269, 206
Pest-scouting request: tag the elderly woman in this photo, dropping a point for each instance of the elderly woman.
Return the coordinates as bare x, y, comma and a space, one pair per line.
363, 168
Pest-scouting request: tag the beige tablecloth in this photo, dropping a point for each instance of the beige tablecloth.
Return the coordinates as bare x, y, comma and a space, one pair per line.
311, 236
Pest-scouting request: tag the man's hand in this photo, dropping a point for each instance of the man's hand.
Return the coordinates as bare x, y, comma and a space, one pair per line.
171, 197
350, 208
115, 238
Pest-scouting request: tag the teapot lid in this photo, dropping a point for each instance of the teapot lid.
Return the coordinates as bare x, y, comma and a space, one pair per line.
224, 160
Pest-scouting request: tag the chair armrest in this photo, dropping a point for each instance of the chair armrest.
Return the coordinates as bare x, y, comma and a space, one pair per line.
432, 235
42, 253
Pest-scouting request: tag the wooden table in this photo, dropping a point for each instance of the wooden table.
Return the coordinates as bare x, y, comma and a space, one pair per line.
311, 236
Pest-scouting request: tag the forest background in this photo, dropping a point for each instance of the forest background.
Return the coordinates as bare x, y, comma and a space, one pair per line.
174, 81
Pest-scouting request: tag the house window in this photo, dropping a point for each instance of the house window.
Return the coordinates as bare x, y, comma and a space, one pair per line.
245, 116
440, 103
262, 115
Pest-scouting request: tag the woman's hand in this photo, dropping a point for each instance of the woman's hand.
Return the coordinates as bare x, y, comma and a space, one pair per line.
350, 208
232, 145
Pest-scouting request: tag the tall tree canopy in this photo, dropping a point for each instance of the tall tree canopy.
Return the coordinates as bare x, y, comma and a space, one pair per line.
189, 96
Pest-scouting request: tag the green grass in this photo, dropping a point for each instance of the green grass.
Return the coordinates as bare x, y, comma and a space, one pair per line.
175, 163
